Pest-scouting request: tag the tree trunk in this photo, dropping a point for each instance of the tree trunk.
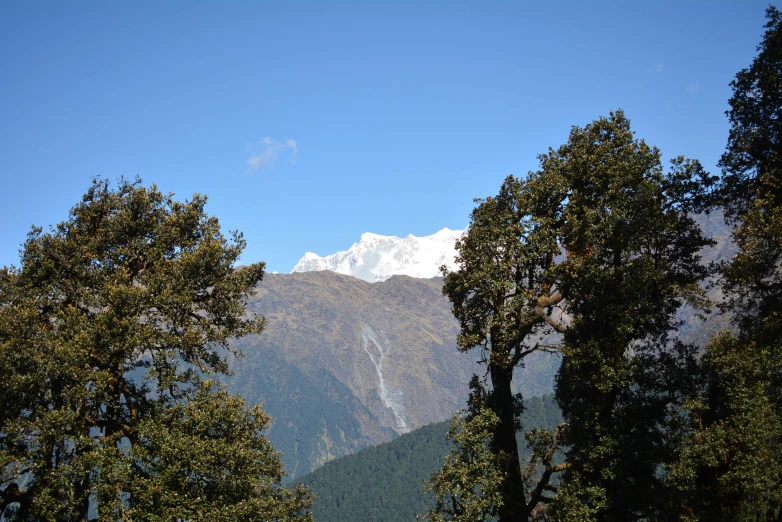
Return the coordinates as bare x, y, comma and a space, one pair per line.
514, 508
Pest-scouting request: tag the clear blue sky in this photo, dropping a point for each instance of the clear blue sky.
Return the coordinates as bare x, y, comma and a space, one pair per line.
308, 123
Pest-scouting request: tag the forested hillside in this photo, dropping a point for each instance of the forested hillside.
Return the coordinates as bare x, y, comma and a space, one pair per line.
385, 483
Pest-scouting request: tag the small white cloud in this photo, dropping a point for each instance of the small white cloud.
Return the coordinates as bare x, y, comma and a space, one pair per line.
659, 68
693, 88
264, 153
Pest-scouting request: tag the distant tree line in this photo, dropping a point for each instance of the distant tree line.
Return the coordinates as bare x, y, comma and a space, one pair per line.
599, 249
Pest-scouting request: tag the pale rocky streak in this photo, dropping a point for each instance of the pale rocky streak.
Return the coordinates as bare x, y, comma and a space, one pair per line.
375, 258
393, 400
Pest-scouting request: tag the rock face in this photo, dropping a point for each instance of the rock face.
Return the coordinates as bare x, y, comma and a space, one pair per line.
345, 363
376, 258
389, 343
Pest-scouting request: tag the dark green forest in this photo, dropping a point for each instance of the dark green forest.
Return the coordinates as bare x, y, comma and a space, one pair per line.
385, 483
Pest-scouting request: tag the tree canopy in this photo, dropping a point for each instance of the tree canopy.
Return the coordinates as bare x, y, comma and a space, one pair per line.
751, 185
597, 246
631, 260
504, 300
109, 330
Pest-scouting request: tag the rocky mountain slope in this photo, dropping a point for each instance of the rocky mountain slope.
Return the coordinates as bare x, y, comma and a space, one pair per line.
345, 363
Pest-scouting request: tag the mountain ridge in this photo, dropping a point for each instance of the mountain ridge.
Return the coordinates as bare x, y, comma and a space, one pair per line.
375, 257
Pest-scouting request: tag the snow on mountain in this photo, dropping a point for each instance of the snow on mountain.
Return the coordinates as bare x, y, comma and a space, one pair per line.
376, 258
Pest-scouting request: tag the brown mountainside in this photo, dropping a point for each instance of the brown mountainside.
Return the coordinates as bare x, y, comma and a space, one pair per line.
367, 361
391, 343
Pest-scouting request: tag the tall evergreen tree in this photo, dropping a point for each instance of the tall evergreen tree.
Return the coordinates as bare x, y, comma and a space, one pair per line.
751, 186
731, 459
107, 328
631, 261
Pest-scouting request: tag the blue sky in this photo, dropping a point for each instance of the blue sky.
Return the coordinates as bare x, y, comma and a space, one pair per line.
308, 123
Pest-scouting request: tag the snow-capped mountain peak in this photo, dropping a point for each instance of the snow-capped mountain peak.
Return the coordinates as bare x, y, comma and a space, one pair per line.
376, 258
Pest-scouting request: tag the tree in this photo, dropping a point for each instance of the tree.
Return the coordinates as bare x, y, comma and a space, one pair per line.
504, 302
598, 246
468, 488
631, 260
729, 468
107, 330
201, 459
732, 455
751, 186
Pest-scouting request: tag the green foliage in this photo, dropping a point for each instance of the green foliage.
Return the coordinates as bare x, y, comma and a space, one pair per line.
751, 186
751, 162
504, 300
631, 261
468, 488
577, 500
381, 483
653, 433
504, 257
202, 459
599, 245
106, 330
729, 464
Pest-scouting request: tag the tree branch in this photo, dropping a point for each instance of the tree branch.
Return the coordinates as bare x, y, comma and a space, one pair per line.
536, 496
